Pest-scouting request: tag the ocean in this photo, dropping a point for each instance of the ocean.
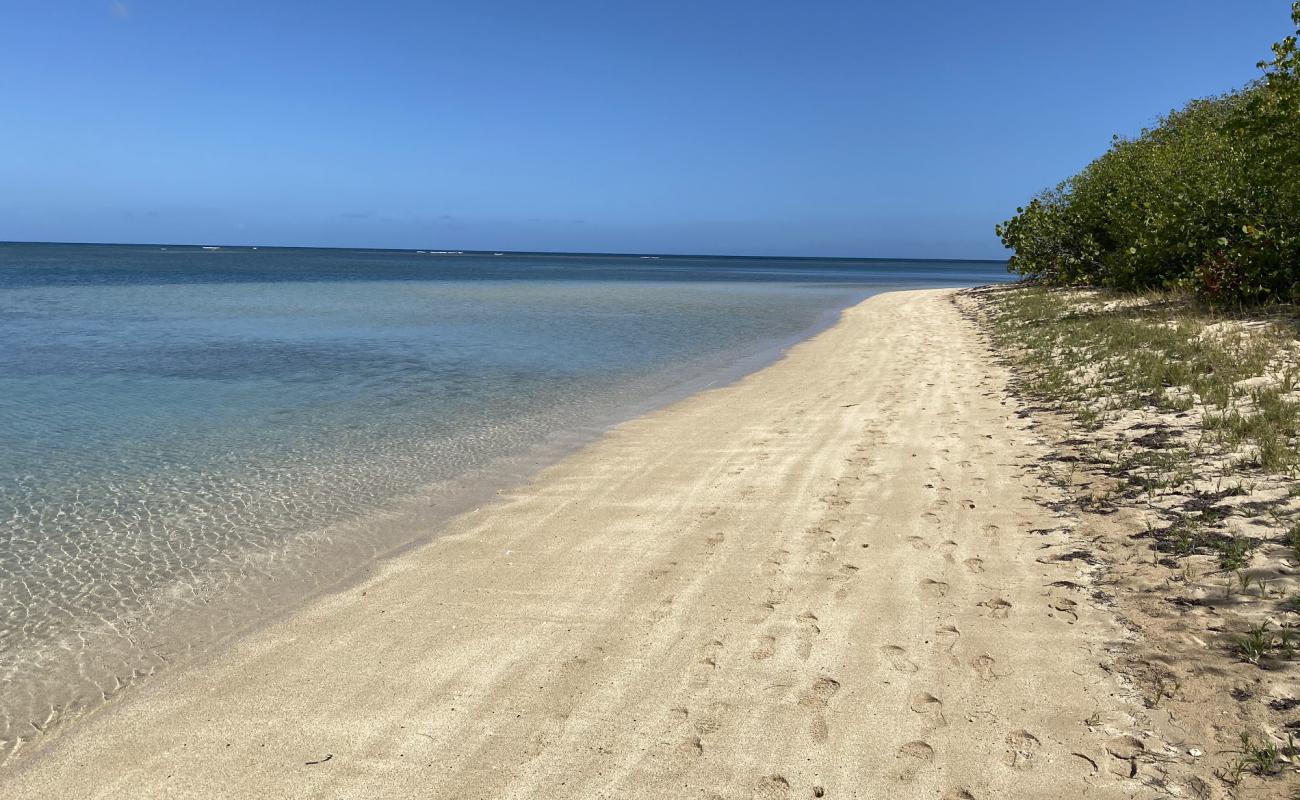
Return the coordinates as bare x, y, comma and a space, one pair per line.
193, 440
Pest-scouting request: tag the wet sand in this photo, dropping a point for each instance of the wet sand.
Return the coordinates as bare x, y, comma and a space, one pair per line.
827, 579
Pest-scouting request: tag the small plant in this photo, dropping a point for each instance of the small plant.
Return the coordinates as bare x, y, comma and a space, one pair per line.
1256, 643
1163, 687
1263, 758
1261, 641
1244, 581
1187, 537
1234, 554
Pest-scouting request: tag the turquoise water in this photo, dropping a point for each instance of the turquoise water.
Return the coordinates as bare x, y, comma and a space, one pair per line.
192, 440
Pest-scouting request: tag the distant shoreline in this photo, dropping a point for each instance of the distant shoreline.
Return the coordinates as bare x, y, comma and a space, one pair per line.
508, 253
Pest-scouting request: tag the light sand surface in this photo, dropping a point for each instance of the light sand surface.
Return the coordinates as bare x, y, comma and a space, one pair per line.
819, 581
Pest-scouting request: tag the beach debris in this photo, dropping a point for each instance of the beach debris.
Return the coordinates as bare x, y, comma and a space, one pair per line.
1096, 769
327, 757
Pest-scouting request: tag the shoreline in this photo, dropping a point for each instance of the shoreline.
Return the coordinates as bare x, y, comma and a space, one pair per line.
756, 589
409, 521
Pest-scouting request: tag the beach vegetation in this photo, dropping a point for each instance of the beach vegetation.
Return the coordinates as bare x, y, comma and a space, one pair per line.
1261, 757
1206, 201
1185, 414
1188, 411
1100, 354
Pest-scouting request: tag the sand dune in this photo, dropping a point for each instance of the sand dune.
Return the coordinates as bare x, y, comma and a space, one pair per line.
831, 579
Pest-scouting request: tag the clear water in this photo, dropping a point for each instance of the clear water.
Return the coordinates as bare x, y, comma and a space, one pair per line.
191, 440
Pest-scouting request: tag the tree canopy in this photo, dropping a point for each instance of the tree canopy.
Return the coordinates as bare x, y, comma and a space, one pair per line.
1207, 200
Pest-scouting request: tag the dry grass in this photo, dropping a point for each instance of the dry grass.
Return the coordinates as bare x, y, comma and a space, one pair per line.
1187, 420
1103, 355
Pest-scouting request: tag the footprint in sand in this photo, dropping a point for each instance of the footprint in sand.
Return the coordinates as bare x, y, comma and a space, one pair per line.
824, 555
808, 631
946, 636
822, 532
947, 546
844, 576
912, 758
773, 567
897, 658
820, 693
692, 746
934, 588
772, 787
664, 610
817, 698
991, 530
818, 728
975, 565
918, 542
776, 595
1022, 747
710, 719
765, 648
985, 667
997, 608
710, 652
959, 794
930, 709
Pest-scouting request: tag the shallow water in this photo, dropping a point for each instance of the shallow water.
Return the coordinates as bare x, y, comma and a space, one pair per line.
193, 440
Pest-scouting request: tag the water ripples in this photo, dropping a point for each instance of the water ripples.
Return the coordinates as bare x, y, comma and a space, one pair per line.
180, 459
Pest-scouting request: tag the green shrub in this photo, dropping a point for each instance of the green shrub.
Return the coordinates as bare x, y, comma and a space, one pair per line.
1208, 200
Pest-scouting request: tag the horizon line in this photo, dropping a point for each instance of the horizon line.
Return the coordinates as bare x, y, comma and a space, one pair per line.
480, 252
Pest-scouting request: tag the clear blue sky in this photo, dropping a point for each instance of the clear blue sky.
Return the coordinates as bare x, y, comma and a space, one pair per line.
817, 128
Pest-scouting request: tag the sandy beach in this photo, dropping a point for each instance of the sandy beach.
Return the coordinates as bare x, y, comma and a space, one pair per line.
833, 578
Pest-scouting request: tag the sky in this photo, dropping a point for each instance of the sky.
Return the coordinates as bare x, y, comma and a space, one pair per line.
825, 128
